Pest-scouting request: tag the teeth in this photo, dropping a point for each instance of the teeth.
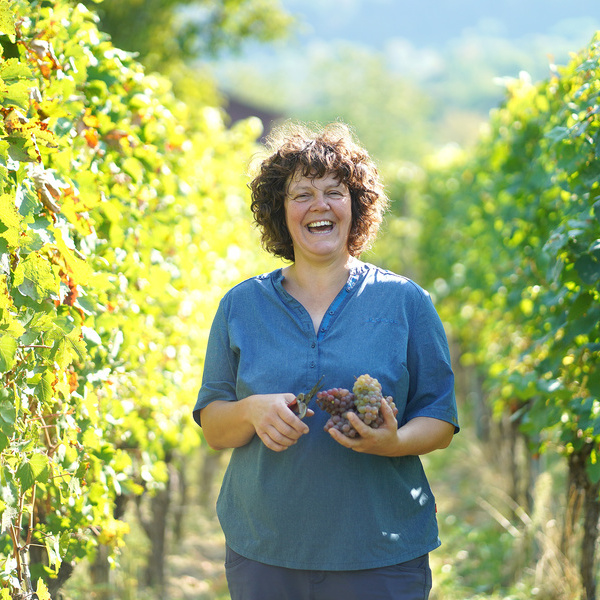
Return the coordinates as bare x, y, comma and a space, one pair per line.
320, 224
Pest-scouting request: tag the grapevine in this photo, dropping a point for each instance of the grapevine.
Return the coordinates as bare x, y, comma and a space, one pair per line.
364, 400
111, 191
509, 245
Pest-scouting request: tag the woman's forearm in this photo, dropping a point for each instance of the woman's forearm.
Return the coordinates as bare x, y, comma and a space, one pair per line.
226, 424
422, 435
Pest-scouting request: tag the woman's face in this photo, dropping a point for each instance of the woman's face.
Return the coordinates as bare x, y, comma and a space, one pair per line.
318, 216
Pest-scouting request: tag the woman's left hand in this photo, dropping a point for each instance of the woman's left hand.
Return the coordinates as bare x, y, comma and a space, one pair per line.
418, 436
382, 441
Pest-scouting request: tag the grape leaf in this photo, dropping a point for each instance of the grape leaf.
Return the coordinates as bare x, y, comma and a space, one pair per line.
8, 416
8, 349
33, 469
7, 21
35, 278
44, 390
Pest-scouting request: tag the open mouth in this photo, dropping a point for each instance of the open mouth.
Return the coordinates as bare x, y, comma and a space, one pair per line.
320, 226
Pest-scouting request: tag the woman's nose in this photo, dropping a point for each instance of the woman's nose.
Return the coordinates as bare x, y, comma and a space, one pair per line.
319, 201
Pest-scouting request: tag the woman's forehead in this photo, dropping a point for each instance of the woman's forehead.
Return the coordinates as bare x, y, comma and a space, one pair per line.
299, 179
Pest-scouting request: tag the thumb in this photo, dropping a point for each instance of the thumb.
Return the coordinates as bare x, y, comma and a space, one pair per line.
387, 412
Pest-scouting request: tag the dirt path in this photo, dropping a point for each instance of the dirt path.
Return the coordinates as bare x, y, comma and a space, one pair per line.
195, 568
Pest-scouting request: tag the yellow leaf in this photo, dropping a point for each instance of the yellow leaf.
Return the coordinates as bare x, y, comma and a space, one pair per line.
42, 591
11, 219
7, 20
78, 268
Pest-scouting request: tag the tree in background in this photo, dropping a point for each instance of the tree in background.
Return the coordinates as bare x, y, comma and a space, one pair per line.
163, 32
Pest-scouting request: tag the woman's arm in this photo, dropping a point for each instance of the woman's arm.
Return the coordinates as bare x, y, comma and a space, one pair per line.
234, 424
420, 435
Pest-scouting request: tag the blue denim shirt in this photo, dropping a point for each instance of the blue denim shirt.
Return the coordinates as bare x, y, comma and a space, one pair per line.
318, 505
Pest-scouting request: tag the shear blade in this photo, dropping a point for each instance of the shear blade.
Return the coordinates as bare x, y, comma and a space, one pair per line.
301, 410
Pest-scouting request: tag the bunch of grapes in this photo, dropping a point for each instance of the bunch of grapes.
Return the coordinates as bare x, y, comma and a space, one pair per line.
364, 400
337, 402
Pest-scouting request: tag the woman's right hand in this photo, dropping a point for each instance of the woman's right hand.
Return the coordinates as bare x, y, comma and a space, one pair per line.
273, 420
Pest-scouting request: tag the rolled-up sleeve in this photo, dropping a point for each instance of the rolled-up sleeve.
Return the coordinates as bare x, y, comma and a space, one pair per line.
431, 380
220, 365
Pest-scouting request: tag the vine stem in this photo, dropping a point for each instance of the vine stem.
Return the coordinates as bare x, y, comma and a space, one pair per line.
34, 346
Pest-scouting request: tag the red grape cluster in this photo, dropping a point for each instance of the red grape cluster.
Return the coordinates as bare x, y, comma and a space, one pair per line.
364, 400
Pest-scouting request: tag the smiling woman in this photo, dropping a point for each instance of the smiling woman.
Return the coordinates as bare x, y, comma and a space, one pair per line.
318, 217
299, 153
328, 317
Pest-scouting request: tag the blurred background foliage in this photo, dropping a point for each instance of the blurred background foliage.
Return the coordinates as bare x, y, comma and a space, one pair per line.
124, 217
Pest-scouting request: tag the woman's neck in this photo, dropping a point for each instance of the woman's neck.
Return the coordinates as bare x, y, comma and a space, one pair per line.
316, 286
324, 278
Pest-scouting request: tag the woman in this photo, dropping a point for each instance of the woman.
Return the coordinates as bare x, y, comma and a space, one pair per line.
310, 514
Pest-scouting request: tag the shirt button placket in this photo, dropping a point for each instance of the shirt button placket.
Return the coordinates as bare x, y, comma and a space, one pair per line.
314, 353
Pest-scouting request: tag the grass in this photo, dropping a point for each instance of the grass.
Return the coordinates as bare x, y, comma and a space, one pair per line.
491, 547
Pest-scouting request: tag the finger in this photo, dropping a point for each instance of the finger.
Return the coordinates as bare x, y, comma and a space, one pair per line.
293, 425
276, 440
356, 444
340, 438
273, 445
360, 427
389, 418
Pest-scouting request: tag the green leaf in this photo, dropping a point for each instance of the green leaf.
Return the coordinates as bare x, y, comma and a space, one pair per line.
15, 80
33, 470
44, 389
592, 468
8, 417
588, 269
68, 349
8, 349
133, 168
558, 134
34, 278
580, 306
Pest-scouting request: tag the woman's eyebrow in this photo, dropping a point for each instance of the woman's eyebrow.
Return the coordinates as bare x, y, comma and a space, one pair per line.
301, 187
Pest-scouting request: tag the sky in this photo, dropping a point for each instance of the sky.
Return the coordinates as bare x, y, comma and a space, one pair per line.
434, 23
422, 39
418, 36
460, 53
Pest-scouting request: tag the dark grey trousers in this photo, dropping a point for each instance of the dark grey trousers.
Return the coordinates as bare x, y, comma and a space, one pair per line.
251, 580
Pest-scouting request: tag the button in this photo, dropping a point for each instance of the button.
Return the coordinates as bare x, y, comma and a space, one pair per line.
323, 328
312, 365
331, 312
313, 345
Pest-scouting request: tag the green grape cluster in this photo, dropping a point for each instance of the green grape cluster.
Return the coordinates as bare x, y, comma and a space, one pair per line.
364, 400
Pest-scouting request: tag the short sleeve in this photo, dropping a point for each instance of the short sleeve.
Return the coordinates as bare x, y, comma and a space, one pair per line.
220, 365
431, 380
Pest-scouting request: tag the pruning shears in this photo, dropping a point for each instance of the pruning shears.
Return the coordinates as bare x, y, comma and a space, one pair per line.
300, 403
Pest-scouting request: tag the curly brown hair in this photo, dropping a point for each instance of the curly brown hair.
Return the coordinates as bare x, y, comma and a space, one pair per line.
314, 152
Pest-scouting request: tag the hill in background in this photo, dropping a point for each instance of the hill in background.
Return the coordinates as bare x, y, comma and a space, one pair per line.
429, 71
